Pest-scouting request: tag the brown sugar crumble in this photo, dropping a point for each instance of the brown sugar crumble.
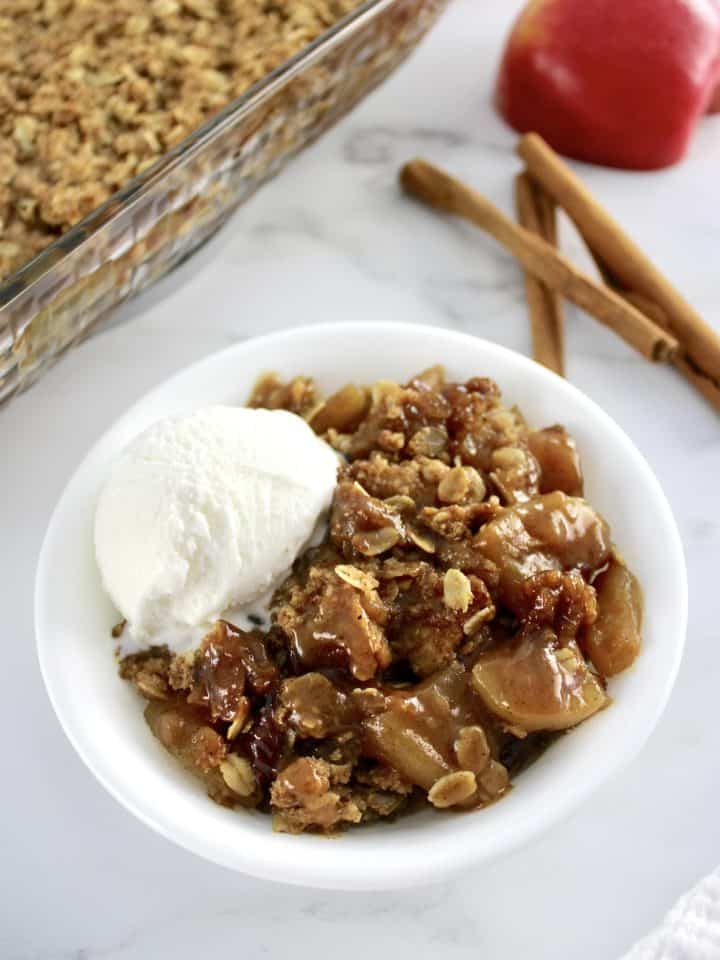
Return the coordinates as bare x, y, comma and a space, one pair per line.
94, 91
466, 606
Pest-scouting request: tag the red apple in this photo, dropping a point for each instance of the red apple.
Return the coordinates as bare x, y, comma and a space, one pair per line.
615, 82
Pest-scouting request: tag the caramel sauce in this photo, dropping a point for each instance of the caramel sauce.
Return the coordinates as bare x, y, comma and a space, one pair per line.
339, 635
230, 664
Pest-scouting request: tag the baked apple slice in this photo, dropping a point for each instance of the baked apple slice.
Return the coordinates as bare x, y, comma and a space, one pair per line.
534, 684
612, 643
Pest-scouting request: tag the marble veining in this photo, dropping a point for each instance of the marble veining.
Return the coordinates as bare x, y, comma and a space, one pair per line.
333, 239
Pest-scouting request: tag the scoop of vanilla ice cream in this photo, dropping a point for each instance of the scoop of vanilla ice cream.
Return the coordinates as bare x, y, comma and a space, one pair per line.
208, 511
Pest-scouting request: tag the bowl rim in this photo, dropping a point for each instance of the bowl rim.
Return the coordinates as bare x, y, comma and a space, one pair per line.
302, 870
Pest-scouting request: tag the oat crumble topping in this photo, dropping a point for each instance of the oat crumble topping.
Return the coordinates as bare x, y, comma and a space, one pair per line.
466, 607
94, 91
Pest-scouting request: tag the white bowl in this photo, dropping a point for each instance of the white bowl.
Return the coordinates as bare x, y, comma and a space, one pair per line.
103, 717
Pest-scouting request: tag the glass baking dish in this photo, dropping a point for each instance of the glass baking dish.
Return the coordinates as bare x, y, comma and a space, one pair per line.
164, 214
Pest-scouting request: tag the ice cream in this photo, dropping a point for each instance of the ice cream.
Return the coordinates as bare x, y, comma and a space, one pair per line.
207, 512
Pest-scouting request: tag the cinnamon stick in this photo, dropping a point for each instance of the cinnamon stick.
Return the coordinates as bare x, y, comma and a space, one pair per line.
544, 306
707, 387
440, 190
629, 266
680, 360
548, 211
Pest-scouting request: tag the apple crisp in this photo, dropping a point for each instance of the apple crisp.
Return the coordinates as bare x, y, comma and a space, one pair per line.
94, 91
464, 609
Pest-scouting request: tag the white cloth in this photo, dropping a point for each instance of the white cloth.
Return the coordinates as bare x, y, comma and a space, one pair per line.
690, 931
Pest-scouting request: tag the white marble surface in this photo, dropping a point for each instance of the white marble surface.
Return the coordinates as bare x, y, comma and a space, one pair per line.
332, 239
